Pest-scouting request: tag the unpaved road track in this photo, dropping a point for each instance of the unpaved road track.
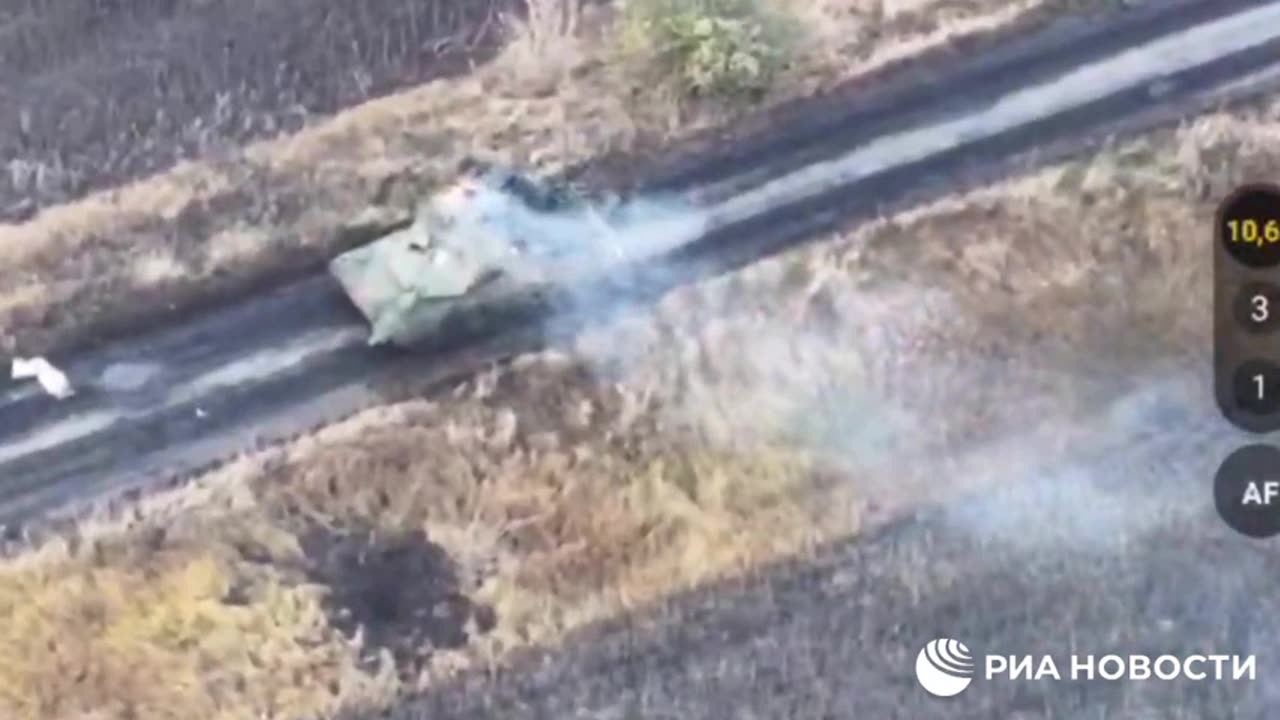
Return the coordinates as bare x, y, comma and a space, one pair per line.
174, 401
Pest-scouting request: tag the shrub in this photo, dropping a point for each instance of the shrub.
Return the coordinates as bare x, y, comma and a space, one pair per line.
710, 48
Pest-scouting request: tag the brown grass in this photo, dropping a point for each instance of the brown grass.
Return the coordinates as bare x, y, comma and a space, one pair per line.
555, 99
800, 400
165, 626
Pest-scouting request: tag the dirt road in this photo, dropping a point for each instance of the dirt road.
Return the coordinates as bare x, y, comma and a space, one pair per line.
119, 434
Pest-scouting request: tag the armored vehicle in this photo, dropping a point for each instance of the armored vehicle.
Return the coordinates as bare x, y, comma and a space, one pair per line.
493, 238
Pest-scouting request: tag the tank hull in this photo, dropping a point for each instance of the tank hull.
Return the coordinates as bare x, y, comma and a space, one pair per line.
495, 248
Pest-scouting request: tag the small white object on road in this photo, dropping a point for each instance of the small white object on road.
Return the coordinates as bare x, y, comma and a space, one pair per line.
53, 380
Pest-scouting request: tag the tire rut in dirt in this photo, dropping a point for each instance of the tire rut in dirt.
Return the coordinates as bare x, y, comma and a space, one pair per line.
157, 431
96, 94
847, 119
811, 131
148, 434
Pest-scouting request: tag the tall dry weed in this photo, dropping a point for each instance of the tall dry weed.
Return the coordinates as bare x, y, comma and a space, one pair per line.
544, 45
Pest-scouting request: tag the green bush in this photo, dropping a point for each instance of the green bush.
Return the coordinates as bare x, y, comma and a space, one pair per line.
710, 48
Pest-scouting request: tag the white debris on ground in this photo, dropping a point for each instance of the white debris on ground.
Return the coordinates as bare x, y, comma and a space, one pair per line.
53, 380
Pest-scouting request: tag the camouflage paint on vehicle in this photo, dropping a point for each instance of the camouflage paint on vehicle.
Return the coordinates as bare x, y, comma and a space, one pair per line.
493, 234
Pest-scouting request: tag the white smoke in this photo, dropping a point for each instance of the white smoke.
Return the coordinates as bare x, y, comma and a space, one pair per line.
892, 387
1019, 446
1139, 464
587, 237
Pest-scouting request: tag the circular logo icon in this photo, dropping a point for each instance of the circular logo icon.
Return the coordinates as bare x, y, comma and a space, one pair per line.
1246, 491
944, 667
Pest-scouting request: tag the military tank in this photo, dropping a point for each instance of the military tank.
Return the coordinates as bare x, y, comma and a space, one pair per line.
495, 242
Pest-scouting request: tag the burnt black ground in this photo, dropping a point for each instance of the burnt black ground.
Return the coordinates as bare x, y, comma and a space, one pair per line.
837, 636
398, 590
97, 92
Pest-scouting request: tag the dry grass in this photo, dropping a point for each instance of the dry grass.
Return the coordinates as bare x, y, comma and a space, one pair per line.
555, 99
800, 400
544, 46
165, 627
505, 495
